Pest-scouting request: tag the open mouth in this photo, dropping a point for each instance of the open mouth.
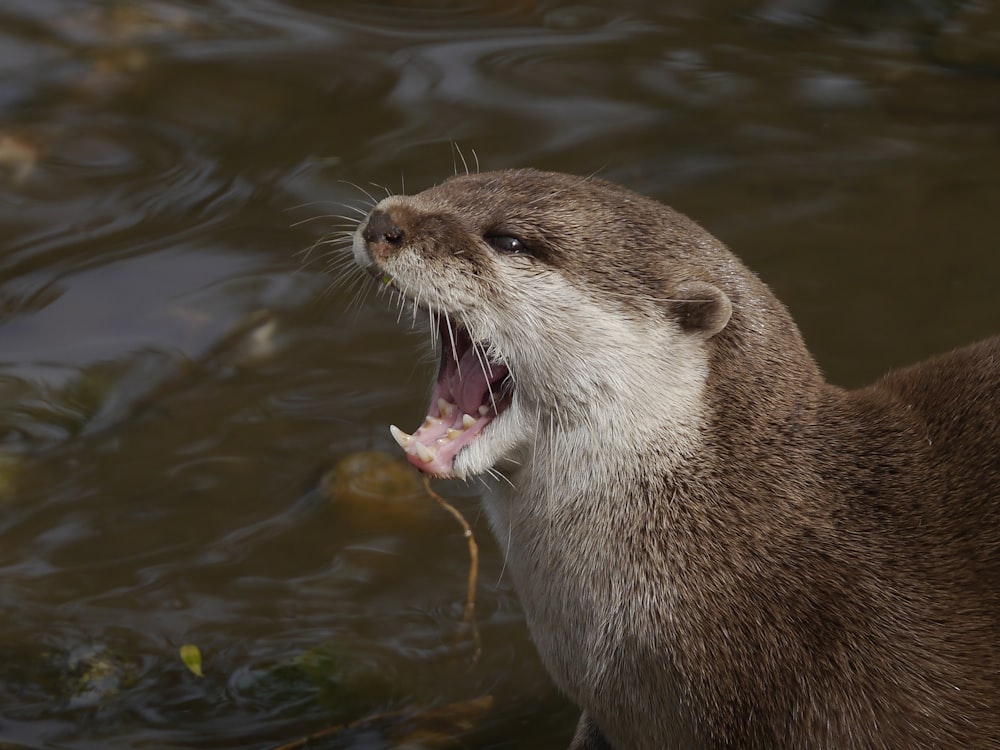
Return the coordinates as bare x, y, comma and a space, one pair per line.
471, 391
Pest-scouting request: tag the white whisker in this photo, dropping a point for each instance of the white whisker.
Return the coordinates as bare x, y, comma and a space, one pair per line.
357, 187
454, 347
477, 348
387, 191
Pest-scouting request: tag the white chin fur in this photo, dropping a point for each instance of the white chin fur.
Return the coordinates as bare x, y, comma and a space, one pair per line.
498, 442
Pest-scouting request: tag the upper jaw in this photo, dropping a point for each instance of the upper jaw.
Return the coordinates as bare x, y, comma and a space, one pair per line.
472, 391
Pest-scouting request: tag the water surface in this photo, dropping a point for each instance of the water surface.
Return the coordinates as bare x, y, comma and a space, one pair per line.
177, 375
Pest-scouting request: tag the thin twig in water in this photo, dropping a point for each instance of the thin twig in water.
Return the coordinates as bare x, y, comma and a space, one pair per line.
337, 728
456, 717
470, 594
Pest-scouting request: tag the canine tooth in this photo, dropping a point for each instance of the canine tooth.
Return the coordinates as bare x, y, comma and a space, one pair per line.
425, 453
446, 408
483, 410
399, 436
467, 421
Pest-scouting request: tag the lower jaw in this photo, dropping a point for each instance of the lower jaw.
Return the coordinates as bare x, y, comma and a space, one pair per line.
431, 449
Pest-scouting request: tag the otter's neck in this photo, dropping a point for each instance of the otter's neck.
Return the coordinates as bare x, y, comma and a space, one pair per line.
675, 513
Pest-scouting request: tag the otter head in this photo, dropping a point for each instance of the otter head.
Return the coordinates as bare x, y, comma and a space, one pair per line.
560, 305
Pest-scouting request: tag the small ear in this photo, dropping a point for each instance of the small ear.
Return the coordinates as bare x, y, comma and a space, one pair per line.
701, 308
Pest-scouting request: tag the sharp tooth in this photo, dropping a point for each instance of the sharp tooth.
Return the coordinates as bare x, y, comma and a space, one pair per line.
425, 453
467, 421
431, 421
483, 410
452, 434
446, 408
399, 436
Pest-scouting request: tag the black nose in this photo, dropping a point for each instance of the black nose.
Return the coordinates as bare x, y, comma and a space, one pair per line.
381, 228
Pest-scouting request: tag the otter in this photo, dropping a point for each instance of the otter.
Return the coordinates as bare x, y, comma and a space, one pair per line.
713, 547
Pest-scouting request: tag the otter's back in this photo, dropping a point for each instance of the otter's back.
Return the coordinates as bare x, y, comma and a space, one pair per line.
955, 399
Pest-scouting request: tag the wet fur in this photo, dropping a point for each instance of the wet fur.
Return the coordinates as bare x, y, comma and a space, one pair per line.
713, 546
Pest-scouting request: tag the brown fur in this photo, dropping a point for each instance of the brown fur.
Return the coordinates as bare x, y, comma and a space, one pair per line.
825, 571
842, 559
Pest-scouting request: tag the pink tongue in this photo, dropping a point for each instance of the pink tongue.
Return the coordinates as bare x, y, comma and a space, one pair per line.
453, 417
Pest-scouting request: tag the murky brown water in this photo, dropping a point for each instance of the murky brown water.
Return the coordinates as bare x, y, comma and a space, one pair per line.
174, 381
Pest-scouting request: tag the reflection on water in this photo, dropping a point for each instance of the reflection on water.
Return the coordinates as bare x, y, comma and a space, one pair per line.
184, 403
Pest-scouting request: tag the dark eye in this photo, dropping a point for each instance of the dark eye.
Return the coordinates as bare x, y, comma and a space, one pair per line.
504, 243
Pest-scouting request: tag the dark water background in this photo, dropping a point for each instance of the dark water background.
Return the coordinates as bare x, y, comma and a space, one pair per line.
175, 381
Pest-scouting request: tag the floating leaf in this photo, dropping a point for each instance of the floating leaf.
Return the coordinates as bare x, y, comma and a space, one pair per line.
191, 656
